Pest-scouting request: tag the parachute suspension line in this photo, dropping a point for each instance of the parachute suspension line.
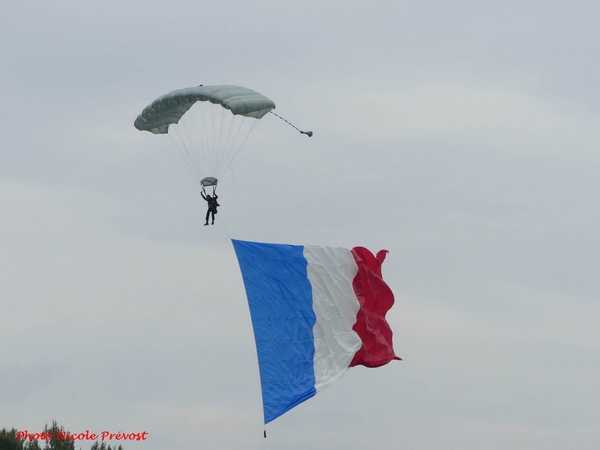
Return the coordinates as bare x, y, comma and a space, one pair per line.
200, 152
179, 135
308, 133
213, 186
181, 147
239, 147
240, 129
217, 130
196, 142
195, 118
168, 147
221, 134
207, 143
183, 134
208, 137
223, 139
224, 135
214, 147
232, 144
186, 138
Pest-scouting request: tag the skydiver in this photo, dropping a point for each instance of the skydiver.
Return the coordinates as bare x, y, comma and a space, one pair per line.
212, 205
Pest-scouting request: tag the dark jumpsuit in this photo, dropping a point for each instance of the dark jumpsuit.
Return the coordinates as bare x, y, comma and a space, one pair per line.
212, 206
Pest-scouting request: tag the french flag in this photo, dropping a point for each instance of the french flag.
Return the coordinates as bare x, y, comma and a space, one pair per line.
316, 311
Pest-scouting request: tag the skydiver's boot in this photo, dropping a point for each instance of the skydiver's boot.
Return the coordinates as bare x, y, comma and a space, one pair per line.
206, 224
213, 222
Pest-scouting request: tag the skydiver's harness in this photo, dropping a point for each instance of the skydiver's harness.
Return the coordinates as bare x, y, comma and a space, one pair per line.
212, 203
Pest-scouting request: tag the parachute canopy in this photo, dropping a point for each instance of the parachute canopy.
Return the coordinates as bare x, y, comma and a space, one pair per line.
204, 127
168, 109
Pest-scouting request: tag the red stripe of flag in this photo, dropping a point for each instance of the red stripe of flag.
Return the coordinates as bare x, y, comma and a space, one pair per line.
375, 298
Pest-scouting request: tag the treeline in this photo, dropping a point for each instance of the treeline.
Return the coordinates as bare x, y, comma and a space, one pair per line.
52, 438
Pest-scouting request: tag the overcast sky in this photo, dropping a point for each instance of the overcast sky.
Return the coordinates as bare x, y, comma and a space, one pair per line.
461, 136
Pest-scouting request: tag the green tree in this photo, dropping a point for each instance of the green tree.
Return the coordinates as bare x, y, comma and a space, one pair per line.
9, 441
58, 442
104, 446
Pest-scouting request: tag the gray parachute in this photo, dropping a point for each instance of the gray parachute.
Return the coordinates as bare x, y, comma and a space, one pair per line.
203, 128
168, 109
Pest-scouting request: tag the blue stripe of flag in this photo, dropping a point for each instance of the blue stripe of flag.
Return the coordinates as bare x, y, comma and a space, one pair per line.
281, 307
